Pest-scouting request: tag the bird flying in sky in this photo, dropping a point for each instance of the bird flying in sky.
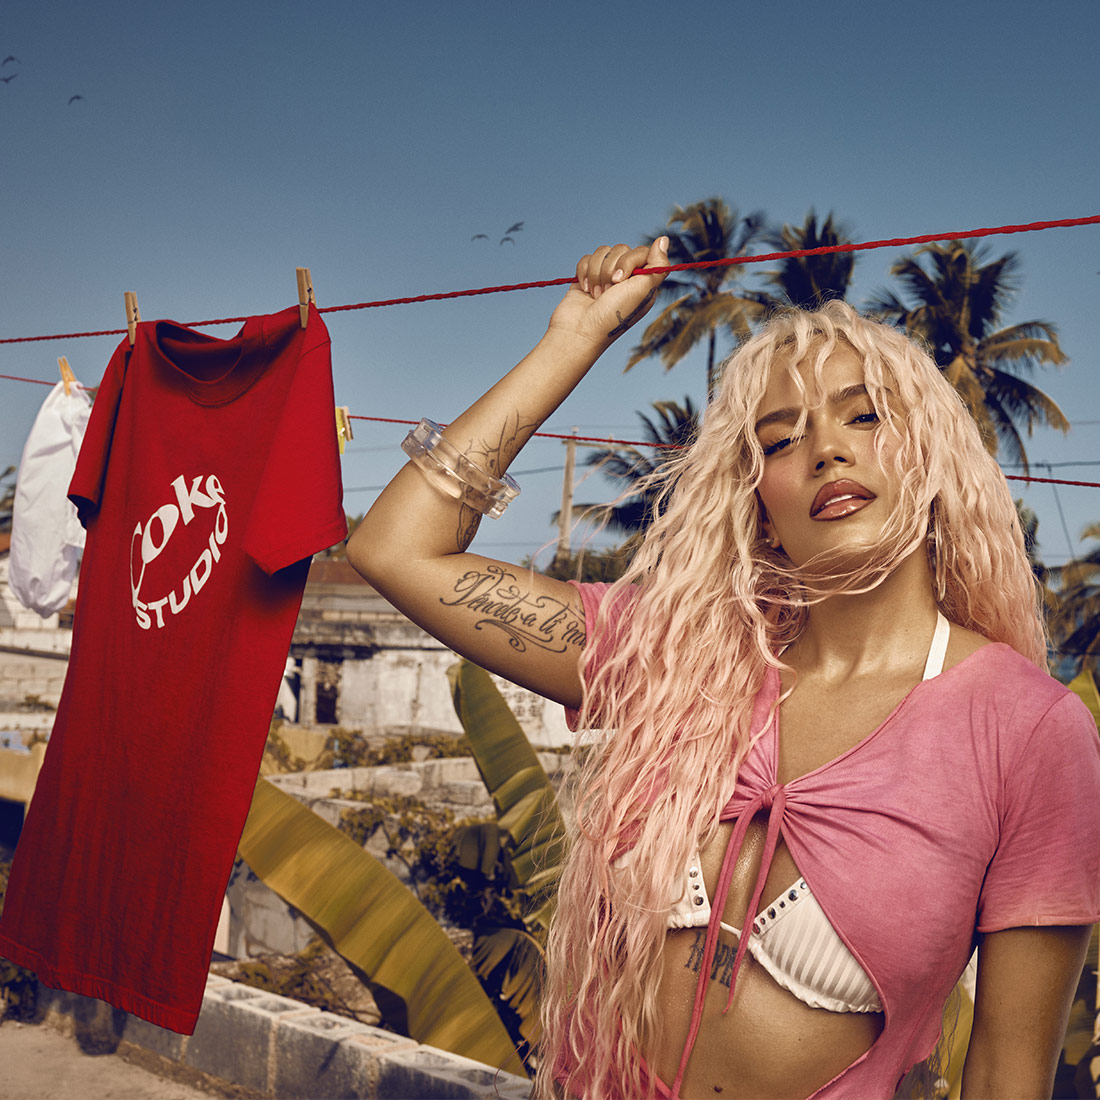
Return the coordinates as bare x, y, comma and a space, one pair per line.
515, 227
8, 79
74, 98
10, 57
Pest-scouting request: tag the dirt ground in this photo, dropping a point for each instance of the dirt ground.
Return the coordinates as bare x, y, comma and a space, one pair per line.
42, 1064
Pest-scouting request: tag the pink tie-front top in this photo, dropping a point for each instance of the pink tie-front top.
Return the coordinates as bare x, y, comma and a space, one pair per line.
974, 807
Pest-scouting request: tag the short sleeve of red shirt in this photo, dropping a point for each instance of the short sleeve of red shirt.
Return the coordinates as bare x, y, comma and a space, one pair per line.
1046, 869
307, 413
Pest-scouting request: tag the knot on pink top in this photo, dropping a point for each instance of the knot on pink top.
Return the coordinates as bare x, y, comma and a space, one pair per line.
774, 801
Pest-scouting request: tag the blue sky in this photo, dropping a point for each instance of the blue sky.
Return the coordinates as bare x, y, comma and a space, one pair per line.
218, 146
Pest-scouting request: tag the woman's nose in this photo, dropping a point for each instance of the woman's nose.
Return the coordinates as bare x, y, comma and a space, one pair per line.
830, 452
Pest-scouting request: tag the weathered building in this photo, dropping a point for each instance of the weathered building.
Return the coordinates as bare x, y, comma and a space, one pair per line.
362, 665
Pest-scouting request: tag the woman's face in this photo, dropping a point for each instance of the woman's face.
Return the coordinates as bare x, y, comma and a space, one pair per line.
825, 490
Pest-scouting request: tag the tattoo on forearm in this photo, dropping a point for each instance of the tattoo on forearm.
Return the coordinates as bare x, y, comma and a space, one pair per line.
635, 313
514, 432
501, 603
721, 966
468, 522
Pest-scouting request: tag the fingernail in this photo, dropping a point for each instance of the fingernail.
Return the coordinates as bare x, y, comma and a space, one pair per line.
662, 244
618, 276
585, 285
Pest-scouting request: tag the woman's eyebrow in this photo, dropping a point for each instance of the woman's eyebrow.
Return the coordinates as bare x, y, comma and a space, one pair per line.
791, 413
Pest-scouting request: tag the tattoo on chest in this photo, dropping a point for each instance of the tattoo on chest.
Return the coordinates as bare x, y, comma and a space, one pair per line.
502, 603
721, 967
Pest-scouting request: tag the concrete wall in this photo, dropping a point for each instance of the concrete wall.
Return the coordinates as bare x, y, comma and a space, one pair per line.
265, 1046
404, 688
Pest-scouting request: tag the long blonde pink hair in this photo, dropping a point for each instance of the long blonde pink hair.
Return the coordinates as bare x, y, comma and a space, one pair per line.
710, 606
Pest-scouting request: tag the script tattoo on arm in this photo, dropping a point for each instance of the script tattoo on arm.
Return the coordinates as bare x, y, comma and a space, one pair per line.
632, 316
501, 603
494, 457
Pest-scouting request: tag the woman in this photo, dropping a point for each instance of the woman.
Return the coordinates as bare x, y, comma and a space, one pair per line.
838, 558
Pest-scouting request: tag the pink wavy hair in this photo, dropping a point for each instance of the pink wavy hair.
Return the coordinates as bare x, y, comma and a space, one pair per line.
711, 605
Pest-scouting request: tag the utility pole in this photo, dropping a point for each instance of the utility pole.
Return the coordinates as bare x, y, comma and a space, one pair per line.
565, 516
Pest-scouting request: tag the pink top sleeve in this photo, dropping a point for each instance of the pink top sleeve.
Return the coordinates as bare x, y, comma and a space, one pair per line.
592, 596
1046, 869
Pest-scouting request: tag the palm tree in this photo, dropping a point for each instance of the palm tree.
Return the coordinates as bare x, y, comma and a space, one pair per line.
701, 301
1075, 624
674, 426
958, 300
809, 281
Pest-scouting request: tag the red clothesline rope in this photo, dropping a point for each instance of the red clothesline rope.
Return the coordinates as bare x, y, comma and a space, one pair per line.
891, 242
895, 242
598, 439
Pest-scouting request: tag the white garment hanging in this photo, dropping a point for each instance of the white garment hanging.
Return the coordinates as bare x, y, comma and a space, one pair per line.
46, 536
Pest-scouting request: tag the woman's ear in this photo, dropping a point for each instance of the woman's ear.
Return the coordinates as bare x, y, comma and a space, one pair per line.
770, 536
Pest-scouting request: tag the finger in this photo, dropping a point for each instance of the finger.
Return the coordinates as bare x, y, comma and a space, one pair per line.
613, 262
588, 270
582, 271
654, 255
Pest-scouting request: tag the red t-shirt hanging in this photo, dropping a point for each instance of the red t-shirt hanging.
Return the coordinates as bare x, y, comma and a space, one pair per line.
208, 476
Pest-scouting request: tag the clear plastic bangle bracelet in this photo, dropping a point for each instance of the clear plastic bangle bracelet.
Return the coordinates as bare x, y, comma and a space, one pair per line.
447, 468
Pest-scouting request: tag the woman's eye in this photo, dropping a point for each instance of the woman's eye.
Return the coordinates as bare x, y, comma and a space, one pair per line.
778, 445
866, 418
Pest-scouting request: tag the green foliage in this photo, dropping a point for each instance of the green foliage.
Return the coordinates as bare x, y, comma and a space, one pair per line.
428, 841
640, 474
810, 281
591, 566
349, 748
1075, 624
528, 837
300, 978
703, 302
954, 298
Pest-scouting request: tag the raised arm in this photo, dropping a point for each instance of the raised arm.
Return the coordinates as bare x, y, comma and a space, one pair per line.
413, 544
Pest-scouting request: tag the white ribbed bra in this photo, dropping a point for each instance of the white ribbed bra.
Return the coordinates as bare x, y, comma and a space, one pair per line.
792, 937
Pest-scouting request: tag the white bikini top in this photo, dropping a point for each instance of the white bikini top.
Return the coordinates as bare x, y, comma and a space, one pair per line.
792, 937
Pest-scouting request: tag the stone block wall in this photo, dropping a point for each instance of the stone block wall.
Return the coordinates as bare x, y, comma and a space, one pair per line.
252, 1044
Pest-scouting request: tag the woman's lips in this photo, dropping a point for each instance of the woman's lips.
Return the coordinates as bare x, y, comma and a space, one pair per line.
839, 499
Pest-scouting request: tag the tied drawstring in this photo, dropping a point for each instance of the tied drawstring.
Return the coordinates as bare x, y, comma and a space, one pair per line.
774, 800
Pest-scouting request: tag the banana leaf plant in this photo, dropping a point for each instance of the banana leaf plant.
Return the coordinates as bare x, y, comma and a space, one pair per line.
528, 835
1084, 687
395, 946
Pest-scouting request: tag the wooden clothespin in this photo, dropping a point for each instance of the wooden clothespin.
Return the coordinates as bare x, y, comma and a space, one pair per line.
67, 375
133, 315
305, 293
343, 426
